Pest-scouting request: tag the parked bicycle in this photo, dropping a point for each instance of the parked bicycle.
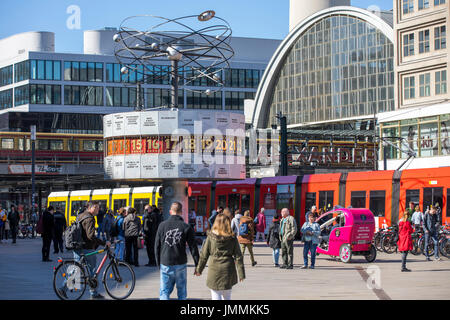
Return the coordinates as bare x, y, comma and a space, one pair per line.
25, 231
71, 277
389, 240
443, 240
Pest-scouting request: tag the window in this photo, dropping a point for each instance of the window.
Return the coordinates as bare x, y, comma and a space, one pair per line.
358, 199
89, 145
222, 201
439, 38
408, 45
423, 4
441, 82
56, 145
46, 70
245, 202
22, 71
83, 95
6, 75
8, 143
412, 195
42, 144
431, 196
201, 206
408, 6
44, 94
21, 95
424, 41
424, 85
139, 205
438, 2
234, 201
119, 203
77, 206
58, 205
6, 98
409, 90
326, 200
377, 203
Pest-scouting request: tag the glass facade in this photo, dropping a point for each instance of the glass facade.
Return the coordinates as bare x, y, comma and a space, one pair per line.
22, 71
83, 95
37, 94
6, 99
6, 76
428, 136
83, 71
340, 67
45, 70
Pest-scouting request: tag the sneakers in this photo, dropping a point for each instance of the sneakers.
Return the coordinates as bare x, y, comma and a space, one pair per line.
254, 263
276, 265
290, 267
283, 266
304, 267
406, 270
428, 259
311, 267
97, 296
437, 259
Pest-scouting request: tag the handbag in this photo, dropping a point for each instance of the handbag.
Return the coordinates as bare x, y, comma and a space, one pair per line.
140, 242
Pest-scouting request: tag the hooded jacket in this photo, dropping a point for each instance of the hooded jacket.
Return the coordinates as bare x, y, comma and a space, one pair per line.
235, 223
170, 242
224, 256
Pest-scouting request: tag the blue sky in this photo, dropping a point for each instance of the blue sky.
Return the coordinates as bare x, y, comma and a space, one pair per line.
248, 18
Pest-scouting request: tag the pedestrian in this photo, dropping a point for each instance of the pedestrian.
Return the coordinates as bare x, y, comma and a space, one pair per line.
431, 227
235, 221
59, 228
213, 216
273, 239
417, 218
438, 212
132, 228
288, 229
221, 251
120, 244
158, 213
108, 223
170, 252
48, 224
246, 235
3, 217
260, 225
146, 229
313, 211
91, 243
411, 210
228, 213
311, 233
192, 218
100, 216
14, 219
404, 242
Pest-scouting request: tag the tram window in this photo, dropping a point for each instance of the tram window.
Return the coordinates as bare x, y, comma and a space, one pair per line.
358, 199
21, 144
201, 206
89, 145
326, 200
431, 196
56, 145
42, 144
8, 144
139, 205
76, 206
233, 201
245, 202
191, 203
448, 204
310, 200
73, 145
58, 204
222, 201
285, 197
412, 195
377, 203
102, 204
119, 203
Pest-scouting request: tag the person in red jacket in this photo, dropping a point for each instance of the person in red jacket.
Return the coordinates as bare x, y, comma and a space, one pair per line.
404, 238
260, 225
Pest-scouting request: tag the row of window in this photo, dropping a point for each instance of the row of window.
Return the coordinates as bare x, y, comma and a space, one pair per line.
440, 41
6, 76
51, 144
426, 136
83, 71
440, 85
83, 95
408, 5
37, 94
6, 99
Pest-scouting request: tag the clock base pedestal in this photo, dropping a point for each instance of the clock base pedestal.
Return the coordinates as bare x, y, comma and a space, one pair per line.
175, 190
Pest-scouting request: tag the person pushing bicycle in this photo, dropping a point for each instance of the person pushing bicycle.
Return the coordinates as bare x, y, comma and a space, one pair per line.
90, 241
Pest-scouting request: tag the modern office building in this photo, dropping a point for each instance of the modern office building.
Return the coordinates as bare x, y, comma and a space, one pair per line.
421, 122
66, 94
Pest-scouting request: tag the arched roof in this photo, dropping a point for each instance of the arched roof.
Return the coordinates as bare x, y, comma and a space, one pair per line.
269, 78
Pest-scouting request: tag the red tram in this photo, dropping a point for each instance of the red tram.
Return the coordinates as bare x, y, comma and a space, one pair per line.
385, 193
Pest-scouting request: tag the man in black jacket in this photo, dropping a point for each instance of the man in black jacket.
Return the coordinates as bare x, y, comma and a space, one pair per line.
59, 227
47, 233
170, 252
150, 224
14, 219
431, 228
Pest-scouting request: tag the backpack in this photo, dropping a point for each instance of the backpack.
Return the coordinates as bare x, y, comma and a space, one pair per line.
73, 236
243, 229
115, 228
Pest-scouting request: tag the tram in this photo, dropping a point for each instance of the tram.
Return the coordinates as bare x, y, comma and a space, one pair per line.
385, 193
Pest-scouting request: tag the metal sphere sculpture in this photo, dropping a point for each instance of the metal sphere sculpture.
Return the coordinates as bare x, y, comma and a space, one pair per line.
197, 46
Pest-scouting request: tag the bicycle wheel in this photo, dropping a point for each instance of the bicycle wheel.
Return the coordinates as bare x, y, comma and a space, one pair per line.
445, 248
430, 247
415, 251
388, 244
119, 280
69, 280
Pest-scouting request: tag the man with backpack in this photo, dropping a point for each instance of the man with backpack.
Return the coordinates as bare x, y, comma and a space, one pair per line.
246, 234
90, 241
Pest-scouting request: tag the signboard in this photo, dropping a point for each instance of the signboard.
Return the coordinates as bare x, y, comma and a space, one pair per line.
39, 169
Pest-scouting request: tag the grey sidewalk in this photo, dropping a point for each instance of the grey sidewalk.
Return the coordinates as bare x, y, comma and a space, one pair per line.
23, 276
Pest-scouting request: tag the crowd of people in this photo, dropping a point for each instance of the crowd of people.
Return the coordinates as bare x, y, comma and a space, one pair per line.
10, 221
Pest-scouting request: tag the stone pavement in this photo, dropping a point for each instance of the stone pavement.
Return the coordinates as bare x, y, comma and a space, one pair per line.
23, 276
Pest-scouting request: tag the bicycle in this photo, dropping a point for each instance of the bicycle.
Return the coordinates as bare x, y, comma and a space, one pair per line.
25, 231
71, 277
389, 240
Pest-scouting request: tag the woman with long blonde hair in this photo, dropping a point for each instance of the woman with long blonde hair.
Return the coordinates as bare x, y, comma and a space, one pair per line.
222, 249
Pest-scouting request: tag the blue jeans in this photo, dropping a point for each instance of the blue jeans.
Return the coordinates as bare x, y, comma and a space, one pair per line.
171, 275
276, 255
120, 248
309, 246
91, 262
100, 232
434, 237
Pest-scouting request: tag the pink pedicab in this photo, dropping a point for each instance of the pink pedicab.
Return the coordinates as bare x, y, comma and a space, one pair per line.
352, 234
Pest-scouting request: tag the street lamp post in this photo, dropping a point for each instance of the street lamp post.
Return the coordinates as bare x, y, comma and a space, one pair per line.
33, 158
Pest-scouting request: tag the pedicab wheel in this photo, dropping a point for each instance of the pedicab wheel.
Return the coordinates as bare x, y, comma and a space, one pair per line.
372, 254
345, 253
